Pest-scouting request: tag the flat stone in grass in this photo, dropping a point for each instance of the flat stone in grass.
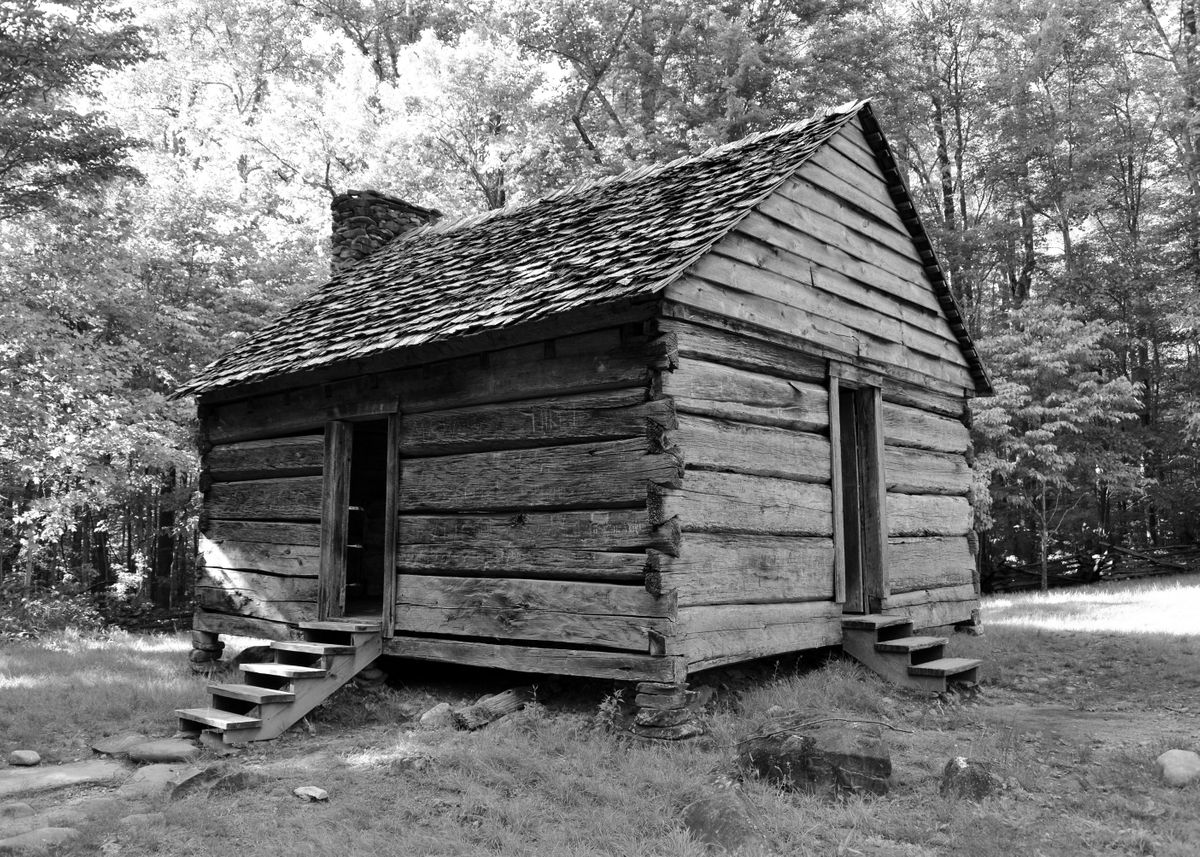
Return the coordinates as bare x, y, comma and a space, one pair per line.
441, 716
24, 758
844, 759
968, 779
14, 809
1178, 767
311, 793
118, 745
59, 817
28, 780
721, 820
37, 841
164, 751
155, 781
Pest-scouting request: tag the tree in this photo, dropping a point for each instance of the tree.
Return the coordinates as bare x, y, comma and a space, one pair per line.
50, 56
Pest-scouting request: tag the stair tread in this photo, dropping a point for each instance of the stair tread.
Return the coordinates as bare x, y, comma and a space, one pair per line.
944, 666
285, 670
335, 625
226, 720
872, 621
251, 693
910, 644
313, 648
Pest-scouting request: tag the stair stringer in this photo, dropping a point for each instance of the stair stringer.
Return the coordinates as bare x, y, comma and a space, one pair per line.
892, 666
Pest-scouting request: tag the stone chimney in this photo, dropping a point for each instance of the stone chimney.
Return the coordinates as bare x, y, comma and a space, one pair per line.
363, 221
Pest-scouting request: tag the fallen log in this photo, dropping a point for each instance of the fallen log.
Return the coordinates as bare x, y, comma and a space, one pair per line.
492, 708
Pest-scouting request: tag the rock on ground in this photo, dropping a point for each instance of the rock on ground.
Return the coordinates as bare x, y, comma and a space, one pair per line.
311, 793
155, 781
24, 758
118, 745
1178, 767
37, 841
142, 821
440, 716
968, 779
60, 817
28, 780
845, 759
164, 751
721, 820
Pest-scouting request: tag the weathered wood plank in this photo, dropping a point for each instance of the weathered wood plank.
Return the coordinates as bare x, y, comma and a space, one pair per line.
960, 592
243, 626
708, 444
590, 614
927, 515
426, 538
778, 334
585, 475
537, 562
733, 502
267, 459
391, 528
937, 614
742, 351
837, 491
723, 568
286, 559
261, 596
917, 471
598, 416
463, 381
537, 659
294, 498
827, 172
929, 563
335, 518
710, 389
706, 288
905, 426
265, 533
717, 635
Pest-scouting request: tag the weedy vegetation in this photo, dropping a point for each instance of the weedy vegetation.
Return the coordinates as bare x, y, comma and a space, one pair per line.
1083, 689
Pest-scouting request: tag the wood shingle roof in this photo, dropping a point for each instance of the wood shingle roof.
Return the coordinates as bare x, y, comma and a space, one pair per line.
616, 239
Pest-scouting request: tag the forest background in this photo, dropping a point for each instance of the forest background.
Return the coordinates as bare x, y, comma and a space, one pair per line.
166, 170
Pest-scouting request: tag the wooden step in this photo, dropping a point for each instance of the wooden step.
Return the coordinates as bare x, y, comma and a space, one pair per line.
250, 693
945, 667
907, 645
224, 720
319, 649
872, 622
285, 670
346, 626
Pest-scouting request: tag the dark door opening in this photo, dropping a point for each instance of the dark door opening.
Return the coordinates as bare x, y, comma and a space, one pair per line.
851, 460
367, 519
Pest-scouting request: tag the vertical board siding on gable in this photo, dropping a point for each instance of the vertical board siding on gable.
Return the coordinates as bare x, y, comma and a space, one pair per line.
259, 549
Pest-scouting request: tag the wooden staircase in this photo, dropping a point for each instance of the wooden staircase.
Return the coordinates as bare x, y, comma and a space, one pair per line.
886, 645
275, 696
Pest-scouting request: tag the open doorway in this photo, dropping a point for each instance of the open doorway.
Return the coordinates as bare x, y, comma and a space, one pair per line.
863, 518
367, 519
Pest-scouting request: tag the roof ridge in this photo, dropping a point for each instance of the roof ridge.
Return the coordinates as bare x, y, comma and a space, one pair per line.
631, 174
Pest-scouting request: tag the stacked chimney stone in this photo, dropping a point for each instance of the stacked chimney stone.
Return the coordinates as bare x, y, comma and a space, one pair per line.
363, 221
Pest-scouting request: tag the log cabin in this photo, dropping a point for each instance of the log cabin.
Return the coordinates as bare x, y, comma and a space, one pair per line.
687, 416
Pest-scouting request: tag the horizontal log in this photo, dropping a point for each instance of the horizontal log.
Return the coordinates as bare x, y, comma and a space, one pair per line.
267, 459
904, 426
622, 530
266, 587
941, 595
295, 560
544, 563
932, 608
287, 534
248, 602
927, 515
622, 666
296, 498
539, 422
717, 635
243, 626
928, 563
469, 380
708, 444
732, 502
918, 471
590, 614
742, 351
584, 475
743, 569
713, 390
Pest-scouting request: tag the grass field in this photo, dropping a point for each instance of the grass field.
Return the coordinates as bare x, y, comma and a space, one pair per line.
1082, 690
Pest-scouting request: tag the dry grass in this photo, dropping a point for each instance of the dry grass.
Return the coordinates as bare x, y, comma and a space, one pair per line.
1070, 718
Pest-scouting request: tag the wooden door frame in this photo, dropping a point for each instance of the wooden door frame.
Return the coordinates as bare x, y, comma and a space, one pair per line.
867, 388
335, 517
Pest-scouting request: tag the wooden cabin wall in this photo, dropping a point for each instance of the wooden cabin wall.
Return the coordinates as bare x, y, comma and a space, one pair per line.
930, 566
260, 535
755, 570
523, 534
